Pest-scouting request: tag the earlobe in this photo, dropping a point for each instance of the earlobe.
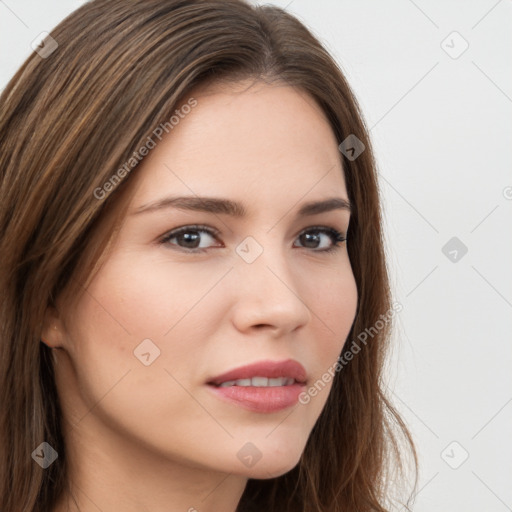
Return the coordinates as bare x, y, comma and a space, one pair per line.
52, 332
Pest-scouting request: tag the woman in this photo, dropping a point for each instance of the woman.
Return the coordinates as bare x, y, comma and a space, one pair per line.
192, 255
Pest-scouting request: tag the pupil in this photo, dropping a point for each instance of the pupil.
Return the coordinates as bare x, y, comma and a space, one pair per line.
309, 237
190, 238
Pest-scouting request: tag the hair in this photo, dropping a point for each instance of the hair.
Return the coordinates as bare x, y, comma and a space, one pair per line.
68, 124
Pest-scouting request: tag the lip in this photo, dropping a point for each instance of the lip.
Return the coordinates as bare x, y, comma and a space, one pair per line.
262, 399
272, 369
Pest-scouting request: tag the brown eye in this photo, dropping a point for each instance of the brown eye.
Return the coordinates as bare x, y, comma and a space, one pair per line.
312, 238
189, 238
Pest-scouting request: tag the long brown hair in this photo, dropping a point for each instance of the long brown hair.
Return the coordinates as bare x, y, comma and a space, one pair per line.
69, 121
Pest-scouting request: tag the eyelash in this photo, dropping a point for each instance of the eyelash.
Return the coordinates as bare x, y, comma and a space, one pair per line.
336, 237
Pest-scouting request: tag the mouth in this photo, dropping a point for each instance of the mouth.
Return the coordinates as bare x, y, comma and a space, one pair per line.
257, 382
263, 374
263, 387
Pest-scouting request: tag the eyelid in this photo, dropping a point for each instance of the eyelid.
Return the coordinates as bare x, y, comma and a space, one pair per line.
189, 227
322, 227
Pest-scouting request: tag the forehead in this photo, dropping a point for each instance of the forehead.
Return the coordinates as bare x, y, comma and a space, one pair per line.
248, 137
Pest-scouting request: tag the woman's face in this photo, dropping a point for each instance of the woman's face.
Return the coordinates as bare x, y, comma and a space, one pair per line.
167, 313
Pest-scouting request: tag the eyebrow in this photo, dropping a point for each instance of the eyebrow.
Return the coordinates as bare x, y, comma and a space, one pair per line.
235, 209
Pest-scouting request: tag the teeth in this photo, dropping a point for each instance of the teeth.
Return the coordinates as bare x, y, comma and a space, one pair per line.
260, 382
243, 382
227, 383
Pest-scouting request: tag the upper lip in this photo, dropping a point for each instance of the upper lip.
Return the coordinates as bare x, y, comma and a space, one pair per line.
272, 369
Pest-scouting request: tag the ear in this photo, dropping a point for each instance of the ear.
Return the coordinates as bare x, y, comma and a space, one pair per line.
53, 328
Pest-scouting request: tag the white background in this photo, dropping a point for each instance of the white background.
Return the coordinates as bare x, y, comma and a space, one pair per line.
441, 128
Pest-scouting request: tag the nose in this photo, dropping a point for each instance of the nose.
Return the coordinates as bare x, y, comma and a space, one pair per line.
268, 296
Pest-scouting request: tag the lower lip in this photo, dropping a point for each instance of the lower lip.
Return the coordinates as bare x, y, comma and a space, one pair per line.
261, 399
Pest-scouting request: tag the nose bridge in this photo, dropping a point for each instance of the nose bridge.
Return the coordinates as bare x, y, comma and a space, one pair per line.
262, 259
268, 289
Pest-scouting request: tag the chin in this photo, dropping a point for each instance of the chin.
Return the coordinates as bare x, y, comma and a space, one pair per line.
272, 469
273, 462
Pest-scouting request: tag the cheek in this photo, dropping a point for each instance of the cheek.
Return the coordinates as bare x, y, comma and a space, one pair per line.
134, 299
333, 303
334, 309
150, 296
111, 320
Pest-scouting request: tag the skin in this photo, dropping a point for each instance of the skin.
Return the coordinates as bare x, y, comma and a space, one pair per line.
155, 437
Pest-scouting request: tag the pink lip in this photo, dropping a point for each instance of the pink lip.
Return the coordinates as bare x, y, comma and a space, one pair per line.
271, 369
262, 399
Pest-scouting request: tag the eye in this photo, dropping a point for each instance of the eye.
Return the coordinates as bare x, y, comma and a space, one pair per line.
311, 236
189, 238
